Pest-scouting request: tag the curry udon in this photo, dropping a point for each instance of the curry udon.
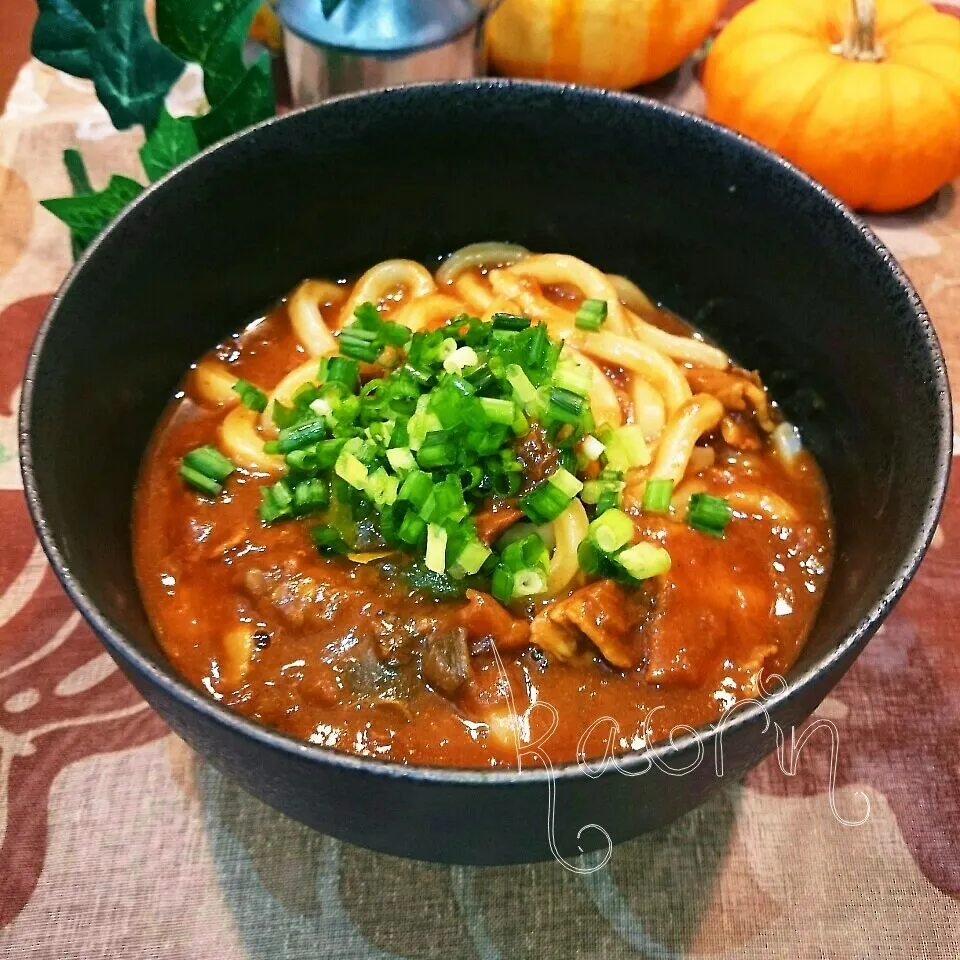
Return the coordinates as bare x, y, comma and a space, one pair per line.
394, 514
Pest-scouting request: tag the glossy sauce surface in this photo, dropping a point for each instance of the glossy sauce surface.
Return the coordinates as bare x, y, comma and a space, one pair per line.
339, 656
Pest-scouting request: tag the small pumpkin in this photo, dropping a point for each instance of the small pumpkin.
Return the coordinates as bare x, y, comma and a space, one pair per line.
867, 104
604, 43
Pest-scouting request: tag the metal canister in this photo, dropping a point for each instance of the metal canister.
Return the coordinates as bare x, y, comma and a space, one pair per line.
374, 43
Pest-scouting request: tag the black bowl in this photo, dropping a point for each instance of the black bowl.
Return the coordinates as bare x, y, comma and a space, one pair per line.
721, 231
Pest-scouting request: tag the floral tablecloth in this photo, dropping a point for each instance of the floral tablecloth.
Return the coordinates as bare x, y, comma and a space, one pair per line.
117, 841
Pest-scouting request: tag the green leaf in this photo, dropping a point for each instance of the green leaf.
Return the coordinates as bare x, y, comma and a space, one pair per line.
172, 142
250, 102
211, 34
110, 43
77, 171
63, 33
80, 183
86, 215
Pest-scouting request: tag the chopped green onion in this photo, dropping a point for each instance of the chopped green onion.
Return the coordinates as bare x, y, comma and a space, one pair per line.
709, 514
344, 371
445, 502
310, 495
527, 583
438, 449
328, 451
284, 416
382, 488
589, 558
574, 376
201, 481
209, 461
592, 448
657, 494
400, 458
473, 556
523, 389
502, 584
609, 498
367, 316
328, 540
460, 359
303, 460
416, 488
627, 448
357, 347
509, 321
305, 394
499, 411
412, 529
436, 548
302, 435
644, 560
321, 407
250, 396
611, 531
276, 502
520, 425
565, 482
349, 468
545, 502
420, 425
395, 334
591, 314
565, 406
536, 343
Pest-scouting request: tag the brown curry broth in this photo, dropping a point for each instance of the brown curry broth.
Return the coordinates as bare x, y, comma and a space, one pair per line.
720, 607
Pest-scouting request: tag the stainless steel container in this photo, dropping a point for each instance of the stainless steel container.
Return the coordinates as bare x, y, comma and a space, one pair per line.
375, 43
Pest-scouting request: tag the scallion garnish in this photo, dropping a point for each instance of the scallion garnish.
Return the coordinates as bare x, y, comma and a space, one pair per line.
302, 435
408, 456
591, 314
436, 548
611, 530
644, 560
250, 396
310, 495
657, 494
509, 321
545, 502
709, 514
200, 481
209, 461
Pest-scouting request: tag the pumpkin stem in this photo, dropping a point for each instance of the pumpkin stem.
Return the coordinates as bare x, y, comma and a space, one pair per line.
861, 42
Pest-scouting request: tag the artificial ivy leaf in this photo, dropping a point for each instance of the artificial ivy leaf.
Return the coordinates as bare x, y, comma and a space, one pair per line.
132, 72
172, 142
63, 33
110, 43
248, 103
211, 34
80, 183
77, 172
88, 214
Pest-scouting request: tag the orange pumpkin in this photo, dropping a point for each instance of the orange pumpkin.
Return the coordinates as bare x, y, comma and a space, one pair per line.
604, 43
862, 94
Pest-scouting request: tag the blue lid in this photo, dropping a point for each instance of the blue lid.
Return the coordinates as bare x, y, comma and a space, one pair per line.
382, 26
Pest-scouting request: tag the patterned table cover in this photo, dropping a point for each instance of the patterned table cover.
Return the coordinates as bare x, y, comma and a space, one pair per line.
116, 840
